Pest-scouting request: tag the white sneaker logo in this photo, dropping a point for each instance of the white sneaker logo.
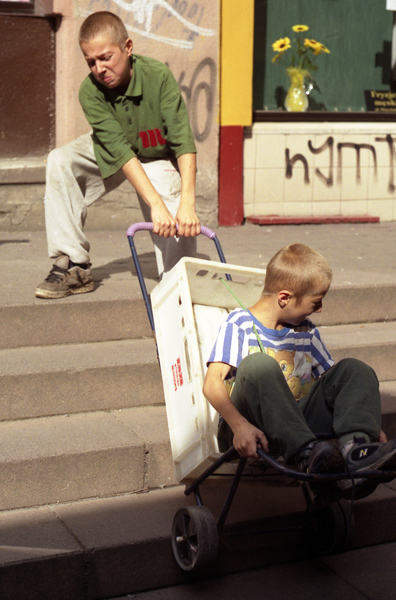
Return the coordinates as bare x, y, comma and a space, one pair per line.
363, 453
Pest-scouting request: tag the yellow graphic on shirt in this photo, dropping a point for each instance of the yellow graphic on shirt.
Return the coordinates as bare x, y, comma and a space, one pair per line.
285, 359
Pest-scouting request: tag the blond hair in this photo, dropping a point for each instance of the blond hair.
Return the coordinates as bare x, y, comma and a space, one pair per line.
299, 269
103, 23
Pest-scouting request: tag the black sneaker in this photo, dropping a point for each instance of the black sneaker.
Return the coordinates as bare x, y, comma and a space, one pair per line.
361, 456
322, 457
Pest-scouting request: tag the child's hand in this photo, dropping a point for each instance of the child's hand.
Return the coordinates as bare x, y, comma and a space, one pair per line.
382, 437
163, 222
246, 440
187, 221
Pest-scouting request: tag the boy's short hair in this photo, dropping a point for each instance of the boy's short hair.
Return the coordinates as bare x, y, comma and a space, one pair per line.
299, 269
103, 23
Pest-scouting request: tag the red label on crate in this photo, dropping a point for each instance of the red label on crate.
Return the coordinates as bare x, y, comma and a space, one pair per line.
177, 374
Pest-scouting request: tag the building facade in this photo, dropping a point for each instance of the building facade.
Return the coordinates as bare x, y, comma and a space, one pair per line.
183, 34
337, 159
256, 160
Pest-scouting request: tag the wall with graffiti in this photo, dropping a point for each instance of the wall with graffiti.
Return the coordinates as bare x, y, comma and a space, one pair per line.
184, 34
320, 169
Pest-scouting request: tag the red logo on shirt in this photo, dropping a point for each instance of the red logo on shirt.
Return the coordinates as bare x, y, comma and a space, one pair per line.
152, 138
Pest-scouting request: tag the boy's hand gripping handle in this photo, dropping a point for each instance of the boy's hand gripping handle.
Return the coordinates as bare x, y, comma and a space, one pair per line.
149, 227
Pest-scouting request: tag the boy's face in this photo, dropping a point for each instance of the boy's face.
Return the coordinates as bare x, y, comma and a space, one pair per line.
109, 64
297, 309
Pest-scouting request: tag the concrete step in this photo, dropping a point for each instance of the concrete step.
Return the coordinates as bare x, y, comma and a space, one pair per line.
103, 453
60, 379
64, 323
66, 458
102, 548
87, 319
374, 343
358, 304
72, 378
86, 420
97, 394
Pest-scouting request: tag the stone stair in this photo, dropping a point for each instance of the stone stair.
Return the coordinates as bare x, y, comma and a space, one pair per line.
84, 445
81, 420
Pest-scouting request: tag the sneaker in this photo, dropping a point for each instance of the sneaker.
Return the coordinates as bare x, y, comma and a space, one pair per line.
62, 281
322, 457
361, 456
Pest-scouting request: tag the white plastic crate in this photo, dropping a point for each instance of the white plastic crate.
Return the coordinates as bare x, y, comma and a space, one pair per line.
189, 306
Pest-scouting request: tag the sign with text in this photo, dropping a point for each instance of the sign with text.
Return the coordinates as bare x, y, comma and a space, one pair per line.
380, 101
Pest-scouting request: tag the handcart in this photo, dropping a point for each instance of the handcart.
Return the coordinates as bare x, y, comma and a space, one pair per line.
185, 311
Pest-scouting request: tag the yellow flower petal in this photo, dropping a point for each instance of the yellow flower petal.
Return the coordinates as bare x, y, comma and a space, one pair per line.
324, 49
313, 44
299, 28
281, 45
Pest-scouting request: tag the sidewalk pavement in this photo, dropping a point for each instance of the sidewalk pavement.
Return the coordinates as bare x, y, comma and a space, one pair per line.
360, 254
364, 574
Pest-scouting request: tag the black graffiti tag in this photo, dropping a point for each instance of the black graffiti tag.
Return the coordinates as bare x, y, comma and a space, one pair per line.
329, 146
200, 97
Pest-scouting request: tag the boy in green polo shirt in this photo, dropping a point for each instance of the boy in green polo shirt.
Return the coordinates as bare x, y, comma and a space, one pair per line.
140, 132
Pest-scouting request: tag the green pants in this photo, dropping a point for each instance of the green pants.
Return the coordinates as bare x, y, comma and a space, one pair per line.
344, 401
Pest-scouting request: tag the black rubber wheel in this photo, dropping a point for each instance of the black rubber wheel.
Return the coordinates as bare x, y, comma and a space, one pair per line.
331, 529
195, 539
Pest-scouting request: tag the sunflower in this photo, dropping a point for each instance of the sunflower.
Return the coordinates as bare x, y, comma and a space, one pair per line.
316, 47
281, 45
303, 51
313, 44
300, 28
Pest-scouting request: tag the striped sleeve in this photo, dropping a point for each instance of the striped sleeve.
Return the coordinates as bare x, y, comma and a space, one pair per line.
228, 345
321, 358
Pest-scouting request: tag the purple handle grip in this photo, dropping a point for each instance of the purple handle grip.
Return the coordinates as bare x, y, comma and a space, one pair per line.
149, 227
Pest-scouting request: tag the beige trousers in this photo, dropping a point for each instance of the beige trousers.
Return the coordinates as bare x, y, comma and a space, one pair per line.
73, 182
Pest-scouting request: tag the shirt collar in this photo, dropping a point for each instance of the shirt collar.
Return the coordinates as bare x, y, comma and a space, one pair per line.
135, 85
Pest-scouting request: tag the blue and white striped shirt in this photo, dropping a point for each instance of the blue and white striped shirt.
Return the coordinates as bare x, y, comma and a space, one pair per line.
299, 350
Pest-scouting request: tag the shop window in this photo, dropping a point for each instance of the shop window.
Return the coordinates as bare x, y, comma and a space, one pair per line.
358, 34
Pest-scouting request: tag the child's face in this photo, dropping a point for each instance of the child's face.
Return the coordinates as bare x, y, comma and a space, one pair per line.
109, 64
298, 309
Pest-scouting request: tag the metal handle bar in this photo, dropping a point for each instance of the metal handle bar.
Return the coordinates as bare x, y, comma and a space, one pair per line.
149, 227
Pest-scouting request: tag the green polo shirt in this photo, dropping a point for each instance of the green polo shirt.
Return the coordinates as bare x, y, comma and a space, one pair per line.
149, 121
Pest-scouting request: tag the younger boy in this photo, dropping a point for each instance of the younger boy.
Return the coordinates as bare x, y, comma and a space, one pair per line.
140, 133
287, 387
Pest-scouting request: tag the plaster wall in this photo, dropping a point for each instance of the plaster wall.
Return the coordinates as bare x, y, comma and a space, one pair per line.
320, 169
